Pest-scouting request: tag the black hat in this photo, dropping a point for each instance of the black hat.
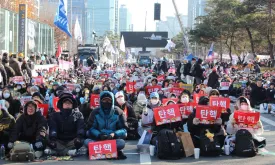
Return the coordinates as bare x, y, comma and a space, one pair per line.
27, 104
66, 96
243, 100
203, 100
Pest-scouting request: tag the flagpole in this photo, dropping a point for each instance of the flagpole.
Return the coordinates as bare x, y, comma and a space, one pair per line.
71, 22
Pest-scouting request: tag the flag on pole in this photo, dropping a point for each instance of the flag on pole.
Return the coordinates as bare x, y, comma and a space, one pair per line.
77, 31
59, 51
60, 19
106, 42
122, 45
170, 44
109, 48
210, 53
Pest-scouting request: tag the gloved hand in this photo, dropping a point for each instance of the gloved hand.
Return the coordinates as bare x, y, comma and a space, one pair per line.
52, 144
196, 121
78, 143
218, 121
103, 136
38, 145
10, 145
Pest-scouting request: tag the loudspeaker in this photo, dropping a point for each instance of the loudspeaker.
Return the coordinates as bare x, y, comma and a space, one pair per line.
157, 11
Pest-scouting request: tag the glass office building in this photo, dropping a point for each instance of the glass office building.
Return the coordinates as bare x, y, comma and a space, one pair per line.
40, 37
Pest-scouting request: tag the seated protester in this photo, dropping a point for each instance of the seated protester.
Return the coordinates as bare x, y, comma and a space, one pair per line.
184, 98
165, 83
154, 82
14, 105
78, 93
7, 122
108, 122
197, 130
139, 105
20, 89
66, 128
30, 127
161, 95
225, 114
270, 93
28, 92
243, 104
38, 98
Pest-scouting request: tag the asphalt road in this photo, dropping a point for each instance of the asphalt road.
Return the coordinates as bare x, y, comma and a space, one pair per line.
135, 158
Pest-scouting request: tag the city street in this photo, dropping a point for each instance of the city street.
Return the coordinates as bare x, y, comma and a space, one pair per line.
266, 158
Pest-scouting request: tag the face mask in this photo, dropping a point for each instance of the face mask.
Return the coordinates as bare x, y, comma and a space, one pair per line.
77, 90
66, 112
107, 106
154, 102
6, 95
184, 100
120, 100
19, 87
244, 107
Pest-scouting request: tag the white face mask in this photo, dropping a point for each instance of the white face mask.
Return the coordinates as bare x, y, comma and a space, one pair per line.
120, 100
244, 107
6, 95
77, 90
184, 100
154, 102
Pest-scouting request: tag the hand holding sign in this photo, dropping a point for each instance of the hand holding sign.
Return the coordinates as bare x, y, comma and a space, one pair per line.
247, 119
207, 114
167, 114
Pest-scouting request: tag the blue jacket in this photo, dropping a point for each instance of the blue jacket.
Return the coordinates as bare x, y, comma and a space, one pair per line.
114, 122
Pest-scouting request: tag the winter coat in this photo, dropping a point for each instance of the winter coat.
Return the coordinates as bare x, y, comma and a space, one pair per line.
138, 109
14, 107
130, 111
7, 123
10, 72
187, 68
4, 75
114, 122
213, 80
198, 70
258, 94
66, 128
26, 67
270, 93
29, 128
15, 65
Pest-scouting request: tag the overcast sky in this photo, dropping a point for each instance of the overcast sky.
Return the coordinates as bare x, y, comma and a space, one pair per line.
138, 9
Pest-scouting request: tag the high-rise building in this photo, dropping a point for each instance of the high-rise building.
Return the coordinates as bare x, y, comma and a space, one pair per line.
125, 23
171, 25
101, 17
195, 9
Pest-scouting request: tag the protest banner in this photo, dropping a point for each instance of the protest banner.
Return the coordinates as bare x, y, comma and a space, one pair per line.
130, 87
150, 89
207, 114
167, 114
55, 101
44, 108
186, 109
196, 97
246, 119
176, 91
106, 149
94, 100
223, 103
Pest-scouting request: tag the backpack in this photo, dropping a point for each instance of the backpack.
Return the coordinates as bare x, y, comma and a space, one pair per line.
209, 148
245, 146
169, 146
22, 151
132, 130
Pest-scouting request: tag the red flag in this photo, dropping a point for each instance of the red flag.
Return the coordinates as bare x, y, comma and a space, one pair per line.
59, 51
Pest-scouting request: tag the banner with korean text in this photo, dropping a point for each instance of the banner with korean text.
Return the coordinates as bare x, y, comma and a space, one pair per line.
167, 114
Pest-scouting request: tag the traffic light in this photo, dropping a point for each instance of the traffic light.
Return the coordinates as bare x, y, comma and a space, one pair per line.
157, 11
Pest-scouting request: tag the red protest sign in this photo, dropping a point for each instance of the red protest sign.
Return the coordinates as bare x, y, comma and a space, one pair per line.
207, 114
94, 100
102, 150
44, 108
38, 80
104, 76
18, 79
176, 91
225, 84
186, 109
167, 114
222, 102
55, 101
130, 87
165, 101
161, 78
247, 118
150, 89
196, 97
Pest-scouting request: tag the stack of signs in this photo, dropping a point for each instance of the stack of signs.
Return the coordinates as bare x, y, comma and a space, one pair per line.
25, 99
18, 79
151, 89
186, 109
247, 119
38, 80
207, 114
167, 114
44, 108
94, 101
221, 102
102, 150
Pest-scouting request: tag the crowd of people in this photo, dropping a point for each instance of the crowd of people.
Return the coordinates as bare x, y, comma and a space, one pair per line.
73, 122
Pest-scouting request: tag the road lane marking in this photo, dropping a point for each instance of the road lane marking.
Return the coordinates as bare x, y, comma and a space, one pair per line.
145, 158
268, 121
131, 153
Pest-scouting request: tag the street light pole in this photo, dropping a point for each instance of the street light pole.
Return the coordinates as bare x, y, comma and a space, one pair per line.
71, 22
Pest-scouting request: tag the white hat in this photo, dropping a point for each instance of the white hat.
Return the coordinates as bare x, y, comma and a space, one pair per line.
118, 94
141, 97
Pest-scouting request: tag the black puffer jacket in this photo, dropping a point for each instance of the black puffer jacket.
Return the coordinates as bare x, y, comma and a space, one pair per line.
7, 123
29, 128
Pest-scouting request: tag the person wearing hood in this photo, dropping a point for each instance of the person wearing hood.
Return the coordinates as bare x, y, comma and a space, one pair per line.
7, 122
139, 105
31, 127
14, 108
197, 130
243, 104
15, 65
108, 122
9, 70
213, 79
38, 98
66, 128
